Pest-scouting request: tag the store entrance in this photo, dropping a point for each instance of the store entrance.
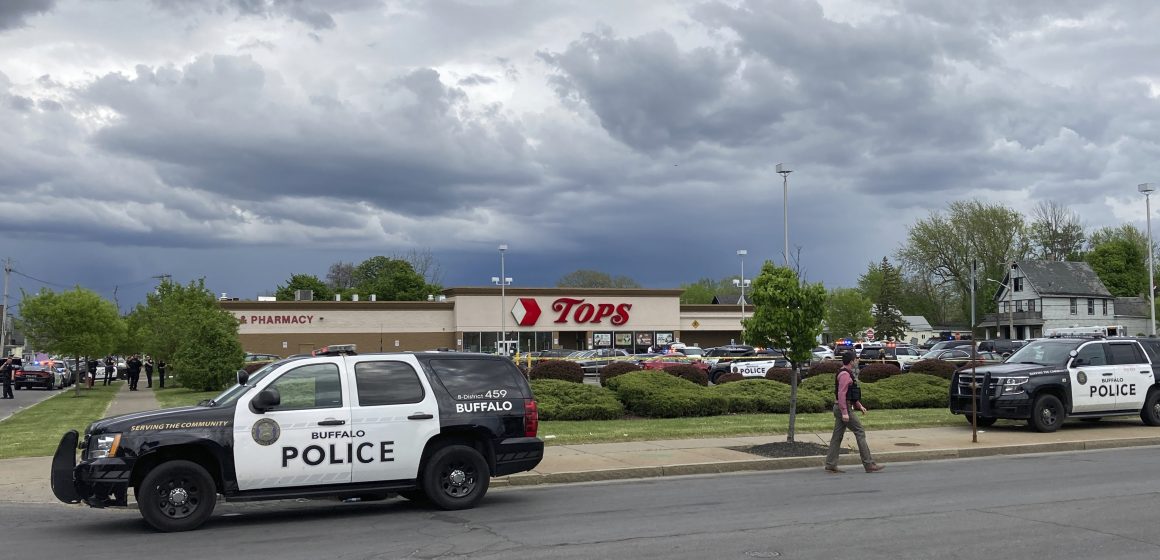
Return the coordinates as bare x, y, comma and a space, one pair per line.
574, 340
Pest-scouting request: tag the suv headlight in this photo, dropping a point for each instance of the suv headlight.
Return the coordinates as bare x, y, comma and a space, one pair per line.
1014, 384
104, 445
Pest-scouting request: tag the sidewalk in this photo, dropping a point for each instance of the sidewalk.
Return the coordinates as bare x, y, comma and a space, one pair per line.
26, 480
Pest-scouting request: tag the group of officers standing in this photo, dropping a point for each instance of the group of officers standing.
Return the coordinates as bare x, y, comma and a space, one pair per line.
133, 367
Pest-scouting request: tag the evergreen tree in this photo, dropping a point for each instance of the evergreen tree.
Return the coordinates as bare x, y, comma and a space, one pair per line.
888, 320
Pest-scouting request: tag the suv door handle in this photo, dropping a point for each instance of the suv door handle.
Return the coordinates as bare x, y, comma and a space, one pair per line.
1109, 374
332, 422
1148, 372
420, 416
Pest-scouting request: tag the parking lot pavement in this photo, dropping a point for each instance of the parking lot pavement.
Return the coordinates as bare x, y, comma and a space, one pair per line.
25, 398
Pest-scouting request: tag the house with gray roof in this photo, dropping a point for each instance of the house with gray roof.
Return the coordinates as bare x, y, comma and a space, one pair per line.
1040, 295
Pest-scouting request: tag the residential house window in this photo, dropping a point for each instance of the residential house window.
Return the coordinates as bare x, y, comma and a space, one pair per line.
1006, 307
1091, 306
1019, 305
1031, 305
1105, 307
1018, 284
1073, 306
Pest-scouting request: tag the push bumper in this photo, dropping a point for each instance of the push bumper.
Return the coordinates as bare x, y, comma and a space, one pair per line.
98, 483
515, 455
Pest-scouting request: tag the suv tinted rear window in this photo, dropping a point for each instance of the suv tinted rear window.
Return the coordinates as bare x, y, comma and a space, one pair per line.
464, 378
1125, 353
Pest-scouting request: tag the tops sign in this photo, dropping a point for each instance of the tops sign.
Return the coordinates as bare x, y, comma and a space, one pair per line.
527, 311
276, 319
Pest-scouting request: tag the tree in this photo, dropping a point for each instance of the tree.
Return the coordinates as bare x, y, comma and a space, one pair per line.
322, 292
390, 280
75, 323
1126, 232
1121, 266
340, 276
847, 312
184, 326
425, 265
594, 279
701, 291
787, 313
888, 322
1056, 232
943, 247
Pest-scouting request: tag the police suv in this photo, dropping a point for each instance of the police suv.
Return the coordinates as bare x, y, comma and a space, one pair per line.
1051, 379
424, 425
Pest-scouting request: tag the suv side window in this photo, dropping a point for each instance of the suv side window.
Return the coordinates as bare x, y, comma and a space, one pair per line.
310, 386
383, 383
1125, 353
465, 377
1091, 355
1152, 347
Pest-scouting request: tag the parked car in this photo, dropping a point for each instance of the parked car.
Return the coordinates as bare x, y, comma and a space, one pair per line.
906, 356
952, 344
823, 353
29, 376
959, 356
252, 357
64, 373
692, 351
592, 360
1002, 346
663, 361
756, 369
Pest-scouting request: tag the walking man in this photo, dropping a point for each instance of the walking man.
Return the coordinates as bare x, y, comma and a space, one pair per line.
148, 372
6, 377
848, 396
134, 367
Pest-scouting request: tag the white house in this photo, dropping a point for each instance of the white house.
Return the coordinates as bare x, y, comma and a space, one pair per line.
919, 329
1046, 295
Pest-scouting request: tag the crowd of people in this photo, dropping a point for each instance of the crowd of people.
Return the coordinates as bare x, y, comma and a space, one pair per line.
134, 365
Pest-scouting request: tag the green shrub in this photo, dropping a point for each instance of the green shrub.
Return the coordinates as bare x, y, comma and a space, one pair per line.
729, 378
909, 390
565, 400
614, 369
875, 372
758, 395
781, 374
938, 368
825, 367
819, 383
563, 370
659, 394
690, 373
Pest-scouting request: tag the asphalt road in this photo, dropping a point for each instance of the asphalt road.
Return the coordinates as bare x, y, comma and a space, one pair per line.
25, 398
1077, 505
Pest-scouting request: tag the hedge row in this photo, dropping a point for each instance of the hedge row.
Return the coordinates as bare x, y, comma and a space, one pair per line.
565, 400
658, 394
756, 395
563, 370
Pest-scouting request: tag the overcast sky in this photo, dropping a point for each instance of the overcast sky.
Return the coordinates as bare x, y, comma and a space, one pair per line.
247, 140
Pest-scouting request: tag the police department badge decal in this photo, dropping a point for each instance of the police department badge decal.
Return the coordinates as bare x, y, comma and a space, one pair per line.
266, 431
1081, 377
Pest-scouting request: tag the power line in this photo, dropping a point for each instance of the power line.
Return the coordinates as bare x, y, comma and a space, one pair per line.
64, 287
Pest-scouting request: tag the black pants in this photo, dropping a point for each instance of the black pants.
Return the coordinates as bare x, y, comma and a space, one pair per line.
134, 377
161, 377
109, 374
8, 387
148, 377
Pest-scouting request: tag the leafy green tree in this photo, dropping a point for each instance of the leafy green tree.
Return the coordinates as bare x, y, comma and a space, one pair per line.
1056, 232
943, 246
1122, 267
75, 323
888, 322
847, 312
322, 292
594, 279
184, 326
390, 280
788, 314
700, 291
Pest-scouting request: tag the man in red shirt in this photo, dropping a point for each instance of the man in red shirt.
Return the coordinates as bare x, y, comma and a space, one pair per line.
847, 395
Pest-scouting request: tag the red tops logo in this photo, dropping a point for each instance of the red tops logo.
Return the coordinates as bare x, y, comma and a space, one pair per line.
527, 312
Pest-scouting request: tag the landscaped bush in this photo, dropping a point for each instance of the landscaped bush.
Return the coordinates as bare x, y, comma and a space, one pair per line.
908, 390
938, 368
690, 373
820, 383
729, 378
781, 374
565, 400
825, 367
662, 395
557, 369
757, 395
874, 372
614, 369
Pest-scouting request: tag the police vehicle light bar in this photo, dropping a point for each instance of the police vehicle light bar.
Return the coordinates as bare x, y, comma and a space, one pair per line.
334, 350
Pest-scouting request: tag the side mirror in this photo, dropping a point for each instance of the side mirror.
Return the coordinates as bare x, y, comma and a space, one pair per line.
243, 376
266, 400
1073, 353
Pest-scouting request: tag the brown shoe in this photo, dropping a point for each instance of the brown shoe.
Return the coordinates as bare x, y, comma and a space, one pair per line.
874, 467
834, 470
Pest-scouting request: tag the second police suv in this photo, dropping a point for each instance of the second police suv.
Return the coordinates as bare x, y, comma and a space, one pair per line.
1051, 379
424, 425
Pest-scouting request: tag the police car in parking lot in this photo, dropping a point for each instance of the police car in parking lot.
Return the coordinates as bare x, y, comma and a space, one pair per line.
424, 425
1051, 379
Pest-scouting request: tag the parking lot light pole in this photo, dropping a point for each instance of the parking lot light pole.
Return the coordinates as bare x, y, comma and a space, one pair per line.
742, 283
502, 281
1147, 189
784, 170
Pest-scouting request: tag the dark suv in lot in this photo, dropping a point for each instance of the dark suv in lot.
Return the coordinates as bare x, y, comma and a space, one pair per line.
1002, 346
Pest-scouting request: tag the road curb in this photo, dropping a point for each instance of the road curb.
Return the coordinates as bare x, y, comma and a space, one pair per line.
787, 463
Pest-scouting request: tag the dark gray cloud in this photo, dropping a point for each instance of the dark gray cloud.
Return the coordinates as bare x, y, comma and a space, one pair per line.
15, 13
316, 15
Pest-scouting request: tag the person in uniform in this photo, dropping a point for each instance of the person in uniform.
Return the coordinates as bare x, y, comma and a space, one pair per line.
6, 377
161, 374
148, 372
110, 367
134, 367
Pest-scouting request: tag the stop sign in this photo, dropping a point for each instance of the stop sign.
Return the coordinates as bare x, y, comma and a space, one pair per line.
870, 334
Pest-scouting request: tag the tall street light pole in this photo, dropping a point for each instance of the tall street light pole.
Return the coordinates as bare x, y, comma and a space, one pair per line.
743, 283
503, 281
1010, 309
1147, 189
784, 170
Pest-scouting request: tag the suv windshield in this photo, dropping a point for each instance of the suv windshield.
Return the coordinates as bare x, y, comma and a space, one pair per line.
1054, 352
230, 395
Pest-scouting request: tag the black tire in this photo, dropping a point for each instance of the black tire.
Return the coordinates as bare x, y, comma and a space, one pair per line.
176, 496
1047, 414
984, 421
1150, 414
455, 477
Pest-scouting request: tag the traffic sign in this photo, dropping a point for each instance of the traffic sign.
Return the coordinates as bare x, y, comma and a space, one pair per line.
870, 334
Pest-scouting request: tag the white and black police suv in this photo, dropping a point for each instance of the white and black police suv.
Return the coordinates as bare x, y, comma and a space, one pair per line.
424, 425
1051, 379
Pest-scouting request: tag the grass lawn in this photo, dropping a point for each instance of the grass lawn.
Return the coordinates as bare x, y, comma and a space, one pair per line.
170, 397
36, 431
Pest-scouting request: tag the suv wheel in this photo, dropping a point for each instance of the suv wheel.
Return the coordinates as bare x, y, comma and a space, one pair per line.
176, 496
1150, 414
456, 477
1047, 414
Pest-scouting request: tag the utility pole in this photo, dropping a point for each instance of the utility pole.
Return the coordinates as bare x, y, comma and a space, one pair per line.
1011, 303
4, 304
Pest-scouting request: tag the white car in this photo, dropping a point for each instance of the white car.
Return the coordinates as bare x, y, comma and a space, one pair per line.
823, 353
907, 356
757, 369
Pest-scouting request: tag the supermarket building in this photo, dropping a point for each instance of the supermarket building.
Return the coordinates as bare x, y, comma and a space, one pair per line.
471, 318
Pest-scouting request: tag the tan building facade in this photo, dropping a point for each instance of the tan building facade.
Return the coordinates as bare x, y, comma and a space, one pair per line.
471, 319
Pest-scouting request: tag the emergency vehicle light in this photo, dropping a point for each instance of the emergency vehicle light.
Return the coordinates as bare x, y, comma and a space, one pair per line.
334, 350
